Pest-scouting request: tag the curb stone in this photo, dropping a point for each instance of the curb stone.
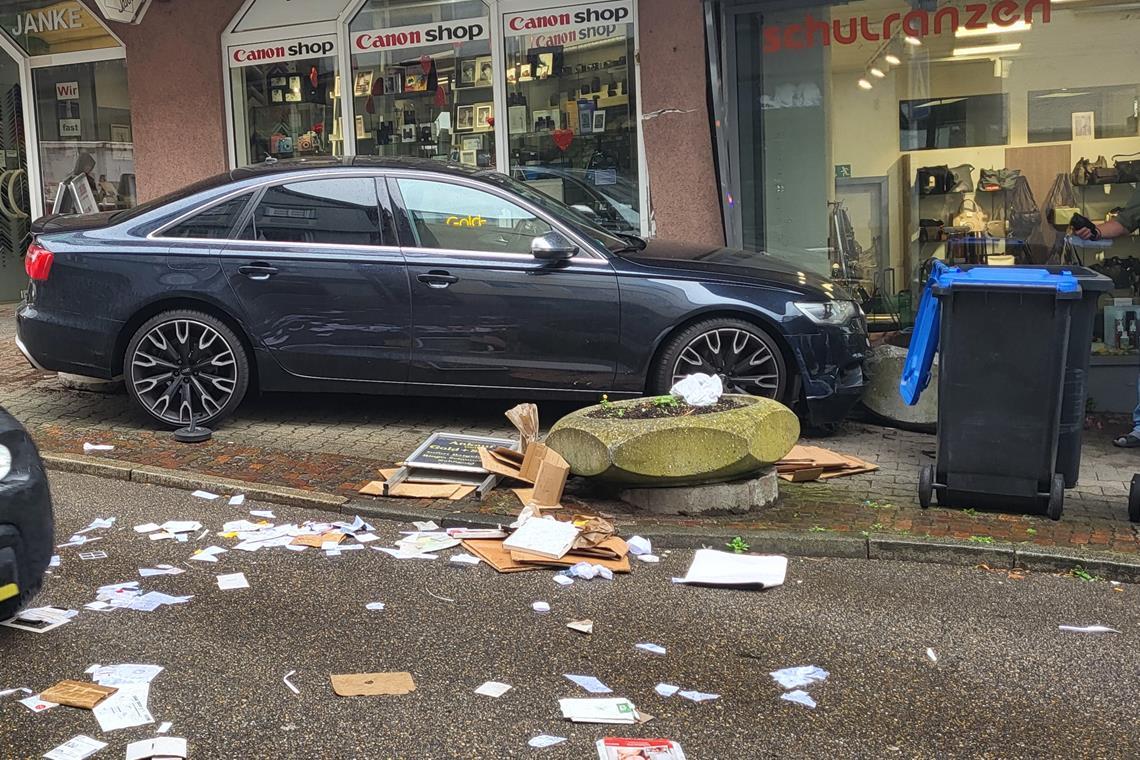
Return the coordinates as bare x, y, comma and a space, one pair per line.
1005, 556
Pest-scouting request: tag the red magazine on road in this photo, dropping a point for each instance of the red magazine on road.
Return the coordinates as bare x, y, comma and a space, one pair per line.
612, 748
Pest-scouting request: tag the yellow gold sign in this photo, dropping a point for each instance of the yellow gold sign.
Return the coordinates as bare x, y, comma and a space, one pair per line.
465, 221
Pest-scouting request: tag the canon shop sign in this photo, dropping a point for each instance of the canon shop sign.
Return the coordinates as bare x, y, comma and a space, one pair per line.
318, 46
559, 26
395, 38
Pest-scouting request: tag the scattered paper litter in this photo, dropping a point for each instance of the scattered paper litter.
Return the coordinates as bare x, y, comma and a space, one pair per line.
232, 581
55, 560
35, 704
78, 540
404, 554
93, 555
666, 689
599, 710
650, 558
374, 606
494, 689
619, 748
164, 727
147, 572
237, 500
545, 537
89, 447
40, 619
288, 683
77, 748
123, 674
563, 580
932, 654
716, 568
799, 696
464, 559
803, 675
541, 607
698, 696
146, 528
366, 538
428, 525
372, 684
97, 524
18, 689
638, 546
649, 647
1087, 629
209, 554
205, 495
588, 571
161, 748
180, 526
699, 389
589, 683
581, 626
263, 513
124, 709
441, 598
545, 740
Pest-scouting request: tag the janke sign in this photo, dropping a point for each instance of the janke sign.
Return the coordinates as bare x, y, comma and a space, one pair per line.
916, 23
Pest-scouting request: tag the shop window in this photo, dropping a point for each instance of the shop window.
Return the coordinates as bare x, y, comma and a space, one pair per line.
422, 80
1108, 111
967, 121
324, 211
51, 27
286, 99
460, 218
84, 128
571, 108
214, 223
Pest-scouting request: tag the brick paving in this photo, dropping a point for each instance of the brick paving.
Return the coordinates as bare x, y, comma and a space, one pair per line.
336, 443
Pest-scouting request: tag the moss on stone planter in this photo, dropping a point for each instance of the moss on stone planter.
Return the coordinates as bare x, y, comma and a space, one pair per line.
676, 450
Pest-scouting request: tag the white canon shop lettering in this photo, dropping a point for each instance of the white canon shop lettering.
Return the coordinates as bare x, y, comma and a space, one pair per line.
285, 50
463, 30
591, 21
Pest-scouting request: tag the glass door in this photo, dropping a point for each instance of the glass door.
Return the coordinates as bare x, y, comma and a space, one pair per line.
15, 209
571, 92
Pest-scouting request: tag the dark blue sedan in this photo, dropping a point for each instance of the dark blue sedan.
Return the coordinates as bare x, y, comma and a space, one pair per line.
395, 276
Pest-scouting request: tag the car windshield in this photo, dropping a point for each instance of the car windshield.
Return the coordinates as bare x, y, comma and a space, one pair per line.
581, 224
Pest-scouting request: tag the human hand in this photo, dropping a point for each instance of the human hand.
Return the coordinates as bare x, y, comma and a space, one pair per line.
1084, 233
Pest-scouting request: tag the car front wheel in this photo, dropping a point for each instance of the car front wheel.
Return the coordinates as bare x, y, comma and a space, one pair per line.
186, 363
746, 358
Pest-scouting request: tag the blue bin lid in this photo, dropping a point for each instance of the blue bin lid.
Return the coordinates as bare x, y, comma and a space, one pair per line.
924, 339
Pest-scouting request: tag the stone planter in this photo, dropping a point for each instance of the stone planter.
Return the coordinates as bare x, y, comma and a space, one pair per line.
699, 448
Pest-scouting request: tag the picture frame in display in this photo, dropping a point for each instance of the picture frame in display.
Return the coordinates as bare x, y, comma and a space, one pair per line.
362, 83
484, 113
415, 81
1084, 125
293, 94
393, 81
464, 118
542, 121
408, 133
465, 73
484, 71
585, 117
121, 133
469, 157
472, 143
599, 124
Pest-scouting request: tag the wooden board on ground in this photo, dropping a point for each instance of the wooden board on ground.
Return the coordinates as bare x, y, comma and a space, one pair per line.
568, 560
491, 551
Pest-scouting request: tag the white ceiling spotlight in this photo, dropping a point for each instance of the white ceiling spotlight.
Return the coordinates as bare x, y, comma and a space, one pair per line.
865, 83
892, 59
912, 40
876, 72
991, 28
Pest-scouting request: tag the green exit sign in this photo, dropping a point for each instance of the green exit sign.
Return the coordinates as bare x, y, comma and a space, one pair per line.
842, 170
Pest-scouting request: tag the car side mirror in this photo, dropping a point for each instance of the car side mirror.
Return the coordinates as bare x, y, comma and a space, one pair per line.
553, 246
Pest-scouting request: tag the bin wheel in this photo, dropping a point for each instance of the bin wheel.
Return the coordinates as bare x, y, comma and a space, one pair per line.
1056, 497
1134, 499
925, 486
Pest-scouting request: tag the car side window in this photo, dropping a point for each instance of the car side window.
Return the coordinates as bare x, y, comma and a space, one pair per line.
461, 218
213, 223
340, 211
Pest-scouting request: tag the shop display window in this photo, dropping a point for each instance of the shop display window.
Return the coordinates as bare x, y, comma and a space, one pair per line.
571, 108
864, 139
84, 128
51, 27
422, 80
286, 101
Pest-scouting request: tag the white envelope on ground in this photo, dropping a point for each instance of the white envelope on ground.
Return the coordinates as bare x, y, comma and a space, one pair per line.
715, 568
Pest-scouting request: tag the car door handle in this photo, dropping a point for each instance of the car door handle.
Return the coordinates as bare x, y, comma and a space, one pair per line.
258, 271
437, 279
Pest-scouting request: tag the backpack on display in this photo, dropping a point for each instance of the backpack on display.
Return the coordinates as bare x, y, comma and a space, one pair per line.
971, 216
963, 178
935, 180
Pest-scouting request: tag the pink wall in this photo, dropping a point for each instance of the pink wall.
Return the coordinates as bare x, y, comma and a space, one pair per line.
174, 72
678, 146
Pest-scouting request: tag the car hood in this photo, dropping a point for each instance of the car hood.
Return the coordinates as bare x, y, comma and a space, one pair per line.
732, 264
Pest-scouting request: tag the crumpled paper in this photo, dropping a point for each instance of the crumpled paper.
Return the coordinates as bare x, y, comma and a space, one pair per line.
699, 389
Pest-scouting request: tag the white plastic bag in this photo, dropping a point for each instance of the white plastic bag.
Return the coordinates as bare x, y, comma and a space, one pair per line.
699, 389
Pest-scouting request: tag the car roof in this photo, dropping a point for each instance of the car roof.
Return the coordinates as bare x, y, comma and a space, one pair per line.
325, 163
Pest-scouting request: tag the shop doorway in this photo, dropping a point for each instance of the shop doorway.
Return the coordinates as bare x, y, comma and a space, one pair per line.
15, 200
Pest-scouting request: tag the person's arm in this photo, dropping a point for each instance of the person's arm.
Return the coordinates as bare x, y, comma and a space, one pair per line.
1111, 229
1125, 222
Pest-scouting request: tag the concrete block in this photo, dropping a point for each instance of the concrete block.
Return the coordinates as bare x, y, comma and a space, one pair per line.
737, 496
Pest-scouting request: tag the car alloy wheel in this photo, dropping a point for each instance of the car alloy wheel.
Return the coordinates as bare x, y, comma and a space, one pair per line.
184, 367
744, 362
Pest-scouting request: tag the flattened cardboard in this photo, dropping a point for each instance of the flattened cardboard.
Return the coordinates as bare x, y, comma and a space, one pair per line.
425, 490
525, 419
569, 560
802, 476
77, 694
316, 541
462, 493
526, 497
613, 547
491, 551
550, 478
373, 488
372, 684
501, 462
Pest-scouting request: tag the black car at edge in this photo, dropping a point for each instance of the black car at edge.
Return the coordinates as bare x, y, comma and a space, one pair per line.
26, 524
392, 276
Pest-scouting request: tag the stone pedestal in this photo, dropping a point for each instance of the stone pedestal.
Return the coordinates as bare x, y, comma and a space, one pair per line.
737, 496
881, 396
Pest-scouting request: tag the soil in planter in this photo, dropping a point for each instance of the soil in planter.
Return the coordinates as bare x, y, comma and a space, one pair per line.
649, 410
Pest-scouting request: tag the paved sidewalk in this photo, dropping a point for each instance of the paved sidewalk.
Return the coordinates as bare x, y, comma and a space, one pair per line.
336, 444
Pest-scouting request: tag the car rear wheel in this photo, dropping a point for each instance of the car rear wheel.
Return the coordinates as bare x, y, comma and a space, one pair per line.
182, 363
746, 358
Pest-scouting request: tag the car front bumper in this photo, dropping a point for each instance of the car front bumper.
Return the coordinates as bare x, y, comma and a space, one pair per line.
26, 522
832, 370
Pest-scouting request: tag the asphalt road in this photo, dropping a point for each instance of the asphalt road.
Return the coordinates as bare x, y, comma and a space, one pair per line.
1007, 683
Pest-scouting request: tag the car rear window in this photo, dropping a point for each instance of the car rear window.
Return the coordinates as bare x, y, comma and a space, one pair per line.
200, 186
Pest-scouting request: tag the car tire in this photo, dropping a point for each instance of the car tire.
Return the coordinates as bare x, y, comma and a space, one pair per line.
169, 344
28, 590
701, 340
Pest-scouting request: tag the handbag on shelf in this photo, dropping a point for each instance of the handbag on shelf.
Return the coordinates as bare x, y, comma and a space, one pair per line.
997, 228
1061, 202
1082, 172
970, 215
934, 180
930, 230
1127, 171
993, 180
1022, 211
963, 178
1100, 173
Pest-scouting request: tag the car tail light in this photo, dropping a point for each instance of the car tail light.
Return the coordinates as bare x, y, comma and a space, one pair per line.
37, 262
